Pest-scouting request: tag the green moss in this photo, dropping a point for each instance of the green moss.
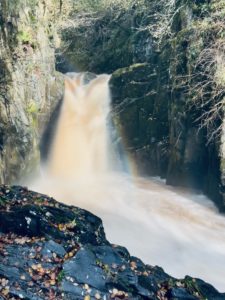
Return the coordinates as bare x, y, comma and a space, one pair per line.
33, 18
32, 111
25, 37
2, 201
32, 107
129, 69
61, 276
136, 72
192, 286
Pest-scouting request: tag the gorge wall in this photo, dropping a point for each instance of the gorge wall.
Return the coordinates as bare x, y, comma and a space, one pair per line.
167, 61
29, 85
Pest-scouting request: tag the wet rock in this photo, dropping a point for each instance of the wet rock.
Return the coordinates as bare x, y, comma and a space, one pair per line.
206, 290
9, 272
179, 294
72, 288
83, 269
61, 252
108, 255
23, 295
53, 247
141, 116
148, 282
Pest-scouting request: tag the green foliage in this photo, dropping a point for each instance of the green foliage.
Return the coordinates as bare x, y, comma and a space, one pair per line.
27, 36
24, 37
33, 18
61, 275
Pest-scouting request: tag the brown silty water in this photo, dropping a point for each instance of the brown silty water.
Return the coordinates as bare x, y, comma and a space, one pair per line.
80, 144
175, 229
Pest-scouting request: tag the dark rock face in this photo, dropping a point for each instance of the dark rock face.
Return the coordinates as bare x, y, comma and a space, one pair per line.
52, 251
141, 117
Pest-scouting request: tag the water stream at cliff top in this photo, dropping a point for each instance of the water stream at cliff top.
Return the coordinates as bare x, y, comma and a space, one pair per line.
177, 230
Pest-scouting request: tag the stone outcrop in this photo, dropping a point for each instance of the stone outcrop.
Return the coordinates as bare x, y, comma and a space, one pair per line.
29, 85
49, 250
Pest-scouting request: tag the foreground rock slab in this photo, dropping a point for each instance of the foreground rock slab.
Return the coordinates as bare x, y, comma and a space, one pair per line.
49, 250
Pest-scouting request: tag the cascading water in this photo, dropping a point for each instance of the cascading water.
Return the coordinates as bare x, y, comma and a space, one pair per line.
80, 144
174, 229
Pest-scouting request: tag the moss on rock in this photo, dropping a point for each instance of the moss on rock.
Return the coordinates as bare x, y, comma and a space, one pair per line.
26, 81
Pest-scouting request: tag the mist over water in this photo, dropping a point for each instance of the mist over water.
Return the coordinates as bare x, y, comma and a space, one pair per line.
177, 230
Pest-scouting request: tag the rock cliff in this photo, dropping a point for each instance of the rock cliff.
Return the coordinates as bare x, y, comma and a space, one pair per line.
29, 85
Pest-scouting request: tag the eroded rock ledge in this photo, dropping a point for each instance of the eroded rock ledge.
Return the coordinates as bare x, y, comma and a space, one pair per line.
49, 250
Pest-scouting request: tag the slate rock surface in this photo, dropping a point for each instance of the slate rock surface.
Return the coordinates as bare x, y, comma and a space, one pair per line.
49, 250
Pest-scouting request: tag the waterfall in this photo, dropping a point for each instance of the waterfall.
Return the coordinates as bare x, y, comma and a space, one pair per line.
173, 228
81, 141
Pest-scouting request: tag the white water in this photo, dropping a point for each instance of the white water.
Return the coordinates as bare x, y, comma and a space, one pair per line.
179, 231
